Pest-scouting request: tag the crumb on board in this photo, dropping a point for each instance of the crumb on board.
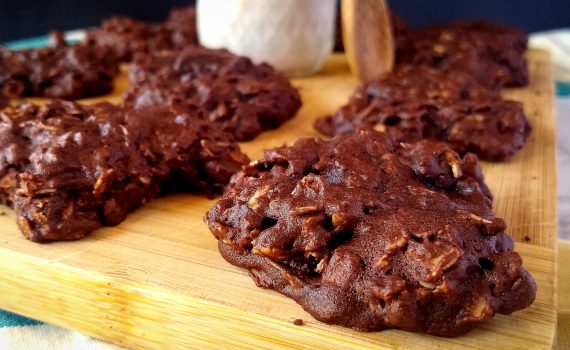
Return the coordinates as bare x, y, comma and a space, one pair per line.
298, 322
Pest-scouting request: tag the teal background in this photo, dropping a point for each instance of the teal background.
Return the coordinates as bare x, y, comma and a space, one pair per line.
8, 319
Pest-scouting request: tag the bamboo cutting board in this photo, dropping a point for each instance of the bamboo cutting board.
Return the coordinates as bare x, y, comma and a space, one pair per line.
157, 280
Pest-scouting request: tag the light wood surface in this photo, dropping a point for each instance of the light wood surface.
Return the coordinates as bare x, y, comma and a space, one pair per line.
563, 330
367, 37
157, 280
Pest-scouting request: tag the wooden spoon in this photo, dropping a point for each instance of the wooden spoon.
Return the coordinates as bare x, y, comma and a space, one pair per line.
367, 36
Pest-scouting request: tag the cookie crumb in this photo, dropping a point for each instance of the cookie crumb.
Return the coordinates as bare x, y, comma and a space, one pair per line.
298, 322
526, 238
2, 213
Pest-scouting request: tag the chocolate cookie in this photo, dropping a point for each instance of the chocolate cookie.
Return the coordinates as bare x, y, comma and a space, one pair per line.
4, 100
126, 36
230, 91
369, 233
67, 169
182, 24
421, 102
58, 70
491, 53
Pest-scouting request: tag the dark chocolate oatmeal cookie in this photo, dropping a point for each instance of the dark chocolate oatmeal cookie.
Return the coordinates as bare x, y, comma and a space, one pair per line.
230, 91
67, 169
421, 102
58, 70
493, 54
126, 36
368, 233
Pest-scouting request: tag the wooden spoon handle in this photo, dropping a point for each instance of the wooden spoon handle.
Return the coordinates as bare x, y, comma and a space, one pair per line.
367, 35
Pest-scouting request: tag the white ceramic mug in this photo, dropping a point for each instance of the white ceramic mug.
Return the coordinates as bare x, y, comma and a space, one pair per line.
294, 36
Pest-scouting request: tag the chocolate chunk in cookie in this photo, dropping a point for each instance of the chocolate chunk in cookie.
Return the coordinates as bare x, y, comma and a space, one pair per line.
421, 102
230, 91
127, 36
491, 53
369, 233
58, 70
67, 169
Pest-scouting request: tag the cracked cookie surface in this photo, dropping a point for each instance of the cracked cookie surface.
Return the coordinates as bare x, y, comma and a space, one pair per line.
369, 233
